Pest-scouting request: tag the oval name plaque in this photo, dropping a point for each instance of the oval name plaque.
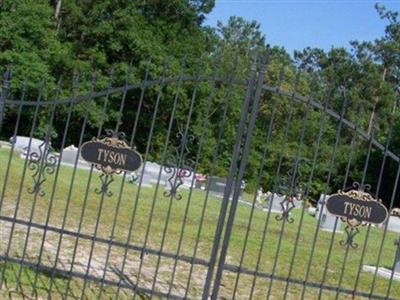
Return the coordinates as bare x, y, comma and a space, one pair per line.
361, 210
111, 155
357, 207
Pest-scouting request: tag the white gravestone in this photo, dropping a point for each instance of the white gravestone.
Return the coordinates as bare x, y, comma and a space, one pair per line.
260, 197
328, 220
393, 224
397, 258
188, 180
384, 272
274, 203
69, 156
150, 175
23, 145
145, 181
297, 203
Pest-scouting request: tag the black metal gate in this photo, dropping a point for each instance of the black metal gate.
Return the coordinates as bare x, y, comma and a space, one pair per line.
70, 229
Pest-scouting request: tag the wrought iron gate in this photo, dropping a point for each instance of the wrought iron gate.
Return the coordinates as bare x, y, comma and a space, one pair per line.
71, 230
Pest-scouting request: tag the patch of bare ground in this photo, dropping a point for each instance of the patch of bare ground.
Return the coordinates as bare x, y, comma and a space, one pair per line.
98, 260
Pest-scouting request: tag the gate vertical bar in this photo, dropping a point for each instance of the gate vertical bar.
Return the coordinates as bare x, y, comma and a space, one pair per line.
389, 139
145, 158
266, 222
4, 93
22, 180
243, 164
103, 194
215, 156
328, 180
180, 164
229, 182
36, 192
202, 138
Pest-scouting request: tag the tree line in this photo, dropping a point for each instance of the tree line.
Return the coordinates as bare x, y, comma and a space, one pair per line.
62, 48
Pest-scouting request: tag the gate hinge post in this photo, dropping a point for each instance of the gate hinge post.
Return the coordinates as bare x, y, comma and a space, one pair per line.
247, 134
230, 178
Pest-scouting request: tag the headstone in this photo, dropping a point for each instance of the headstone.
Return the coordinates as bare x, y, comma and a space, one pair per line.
69, 155
384, 272
188, 178
393, 224
200, 181
274, 202
145, 181
297, 203
152, 169
327, 220
397, 258
260, 196
216, 186
21, 144
312, 211
151, 174
144, 176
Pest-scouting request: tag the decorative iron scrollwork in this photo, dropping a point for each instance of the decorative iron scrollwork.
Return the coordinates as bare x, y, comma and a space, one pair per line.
290, 187
41, 163
351, 232
179, 166
106, 180
287, 205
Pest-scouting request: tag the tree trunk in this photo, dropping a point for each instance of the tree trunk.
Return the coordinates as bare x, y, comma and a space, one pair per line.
57, 15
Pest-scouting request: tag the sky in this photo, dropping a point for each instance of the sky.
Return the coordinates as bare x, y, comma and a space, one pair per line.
296, 24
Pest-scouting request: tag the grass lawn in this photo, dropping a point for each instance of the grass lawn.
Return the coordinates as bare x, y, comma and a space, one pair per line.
163, 224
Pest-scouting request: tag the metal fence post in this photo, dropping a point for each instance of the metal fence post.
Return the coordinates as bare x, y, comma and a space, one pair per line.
4, 93
230, 179
242, 168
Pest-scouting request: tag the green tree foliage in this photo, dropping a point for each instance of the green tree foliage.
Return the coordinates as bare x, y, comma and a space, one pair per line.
60, 49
